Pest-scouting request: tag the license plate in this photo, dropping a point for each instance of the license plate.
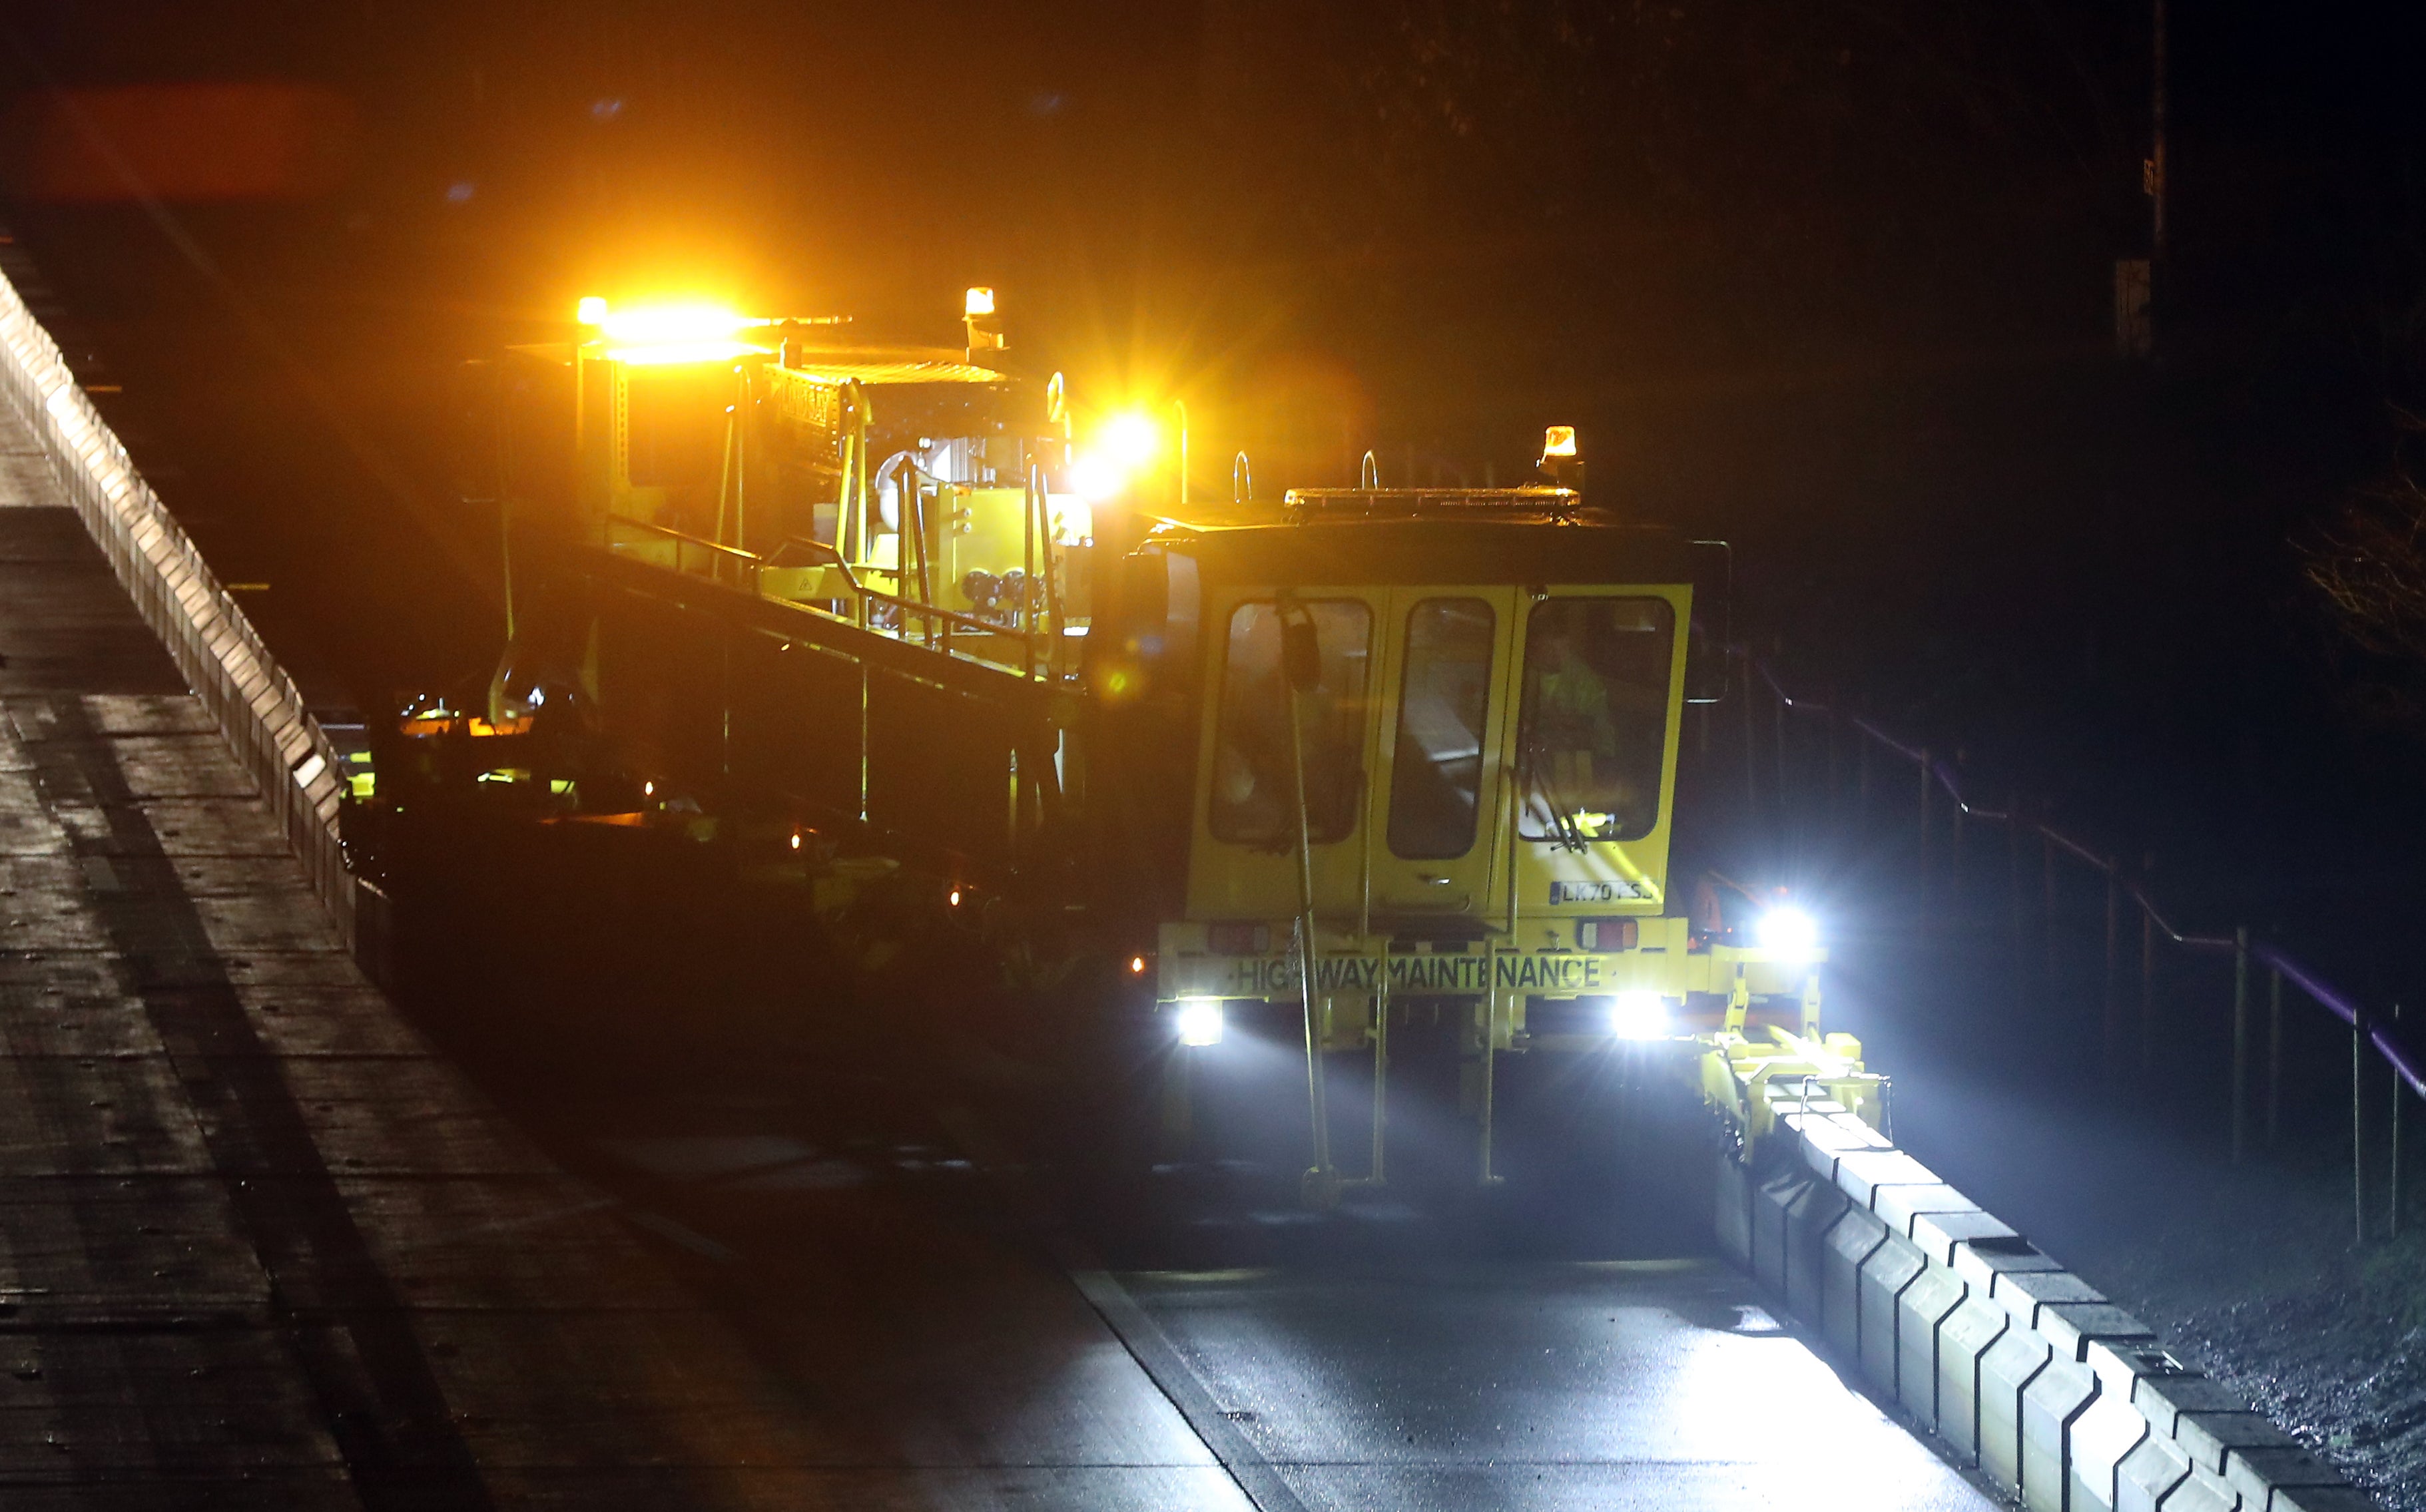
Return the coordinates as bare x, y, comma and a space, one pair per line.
1595, 891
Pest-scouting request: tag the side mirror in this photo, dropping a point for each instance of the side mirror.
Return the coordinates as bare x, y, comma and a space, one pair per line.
1713, 628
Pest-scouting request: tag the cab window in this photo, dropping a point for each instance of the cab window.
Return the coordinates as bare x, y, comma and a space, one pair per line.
1436, 761
1594, 721
1253, 802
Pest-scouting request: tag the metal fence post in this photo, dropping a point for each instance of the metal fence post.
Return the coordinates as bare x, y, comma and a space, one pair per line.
2240, 1042
2274, 1057
1961, 909
2392, 1200
2358, 1126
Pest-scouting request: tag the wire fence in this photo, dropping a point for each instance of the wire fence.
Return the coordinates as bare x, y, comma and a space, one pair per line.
1947, 804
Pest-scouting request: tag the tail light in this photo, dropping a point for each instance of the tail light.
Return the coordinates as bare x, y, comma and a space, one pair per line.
1607, 934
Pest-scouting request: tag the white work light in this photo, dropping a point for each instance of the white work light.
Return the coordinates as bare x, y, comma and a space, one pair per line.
1199, 1022
1639, 1013
1790, 932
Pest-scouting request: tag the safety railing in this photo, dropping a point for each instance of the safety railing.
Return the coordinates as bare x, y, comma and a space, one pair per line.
745, 570
1939, 782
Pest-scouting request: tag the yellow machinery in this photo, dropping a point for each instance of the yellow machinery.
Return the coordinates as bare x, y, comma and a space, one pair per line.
899, 486
1437, 751
1361, 750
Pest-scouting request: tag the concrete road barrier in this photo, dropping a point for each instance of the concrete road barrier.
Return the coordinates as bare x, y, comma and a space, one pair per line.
1813, 1210
2005, 1371
292, 762
1856, 1236
2106, 1431
2052, 1406
1890, 1272
1732, 1210
2017, 1365
1922, 1312
1769, 1206
1968, 1333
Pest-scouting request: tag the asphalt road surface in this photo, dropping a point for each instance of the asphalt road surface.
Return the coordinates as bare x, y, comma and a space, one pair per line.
1506, 1385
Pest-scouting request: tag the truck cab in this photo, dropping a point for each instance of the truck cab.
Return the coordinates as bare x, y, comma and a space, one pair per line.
1460, 796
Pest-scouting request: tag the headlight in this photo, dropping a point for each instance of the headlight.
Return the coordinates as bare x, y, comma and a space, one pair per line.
1791, 933
1639, 1013
1199, 1022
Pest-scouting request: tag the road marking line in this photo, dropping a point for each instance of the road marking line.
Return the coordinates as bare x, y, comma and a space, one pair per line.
1135, 1327
1177, 1379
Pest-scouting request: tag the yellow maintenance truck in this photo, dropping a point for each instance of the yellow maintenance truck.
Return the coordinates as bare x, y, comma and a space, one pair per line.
1342, 763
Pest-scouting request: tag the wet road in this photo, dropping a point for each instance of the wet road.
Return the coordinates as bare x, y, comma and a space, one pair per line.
1617, 1385
1338, 1380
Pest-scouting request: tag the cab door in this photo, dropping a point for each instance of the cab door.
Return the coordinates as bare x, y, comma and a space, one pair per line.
1243, 863
1434, 800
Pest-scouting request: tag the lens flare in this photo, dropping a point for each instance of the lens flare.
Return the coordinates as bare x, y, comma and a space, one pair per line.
1789, 932
1129, 441
1639, 1013
1199, 1022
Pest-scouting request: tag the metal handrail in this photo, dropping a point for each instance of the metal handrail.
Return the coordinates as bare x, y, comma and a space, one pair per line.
687, 538
2349, 1011
2405, 1061
831, 557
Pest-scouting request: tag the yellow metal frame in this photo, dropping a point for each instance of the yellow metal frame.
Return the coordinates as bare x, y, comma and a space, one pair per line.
1516, 950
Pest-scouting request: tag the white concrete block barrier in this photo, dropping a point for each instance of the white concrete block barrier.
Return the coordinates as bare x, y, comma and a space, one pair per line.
2017, 1366
291, 760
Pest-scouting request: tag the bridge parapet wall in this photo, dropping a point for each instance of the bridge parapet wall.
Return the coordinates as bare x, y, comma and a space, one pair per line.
293, 763
2017, 1366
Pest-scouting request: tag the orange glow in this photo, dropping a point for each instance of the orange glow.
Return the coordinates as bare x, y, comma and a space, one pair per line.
660, 334
1130, 440
667, 353
1137, 965
1124, 446
181, 142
